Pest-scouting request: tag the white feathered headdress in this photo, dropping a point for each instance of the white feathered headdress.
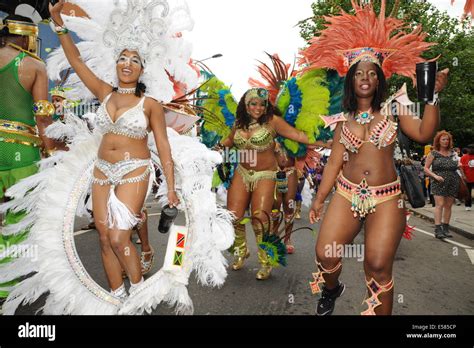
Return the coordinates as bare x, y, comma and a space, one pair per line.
151, 27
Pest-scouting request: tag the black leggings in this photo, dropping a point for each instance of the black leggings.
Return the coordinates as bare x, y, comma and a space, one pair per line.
470, 186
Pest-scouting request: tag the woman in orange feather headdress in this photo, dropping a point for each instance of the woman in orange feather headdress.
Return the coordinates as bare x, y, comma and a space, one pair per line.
367, 48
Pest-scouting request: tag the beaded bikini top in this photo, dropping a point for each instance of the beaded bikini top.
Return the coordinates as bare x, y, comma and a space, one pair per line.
383, 134
132, 123
261, 140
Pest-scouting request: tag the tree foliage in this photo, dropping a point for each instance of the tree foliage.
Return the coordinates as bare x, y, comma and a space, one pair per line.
455, 48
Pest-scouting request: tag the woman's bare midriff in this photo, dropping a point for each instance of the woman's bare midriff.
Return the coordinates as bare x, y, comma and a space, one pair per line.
373, 164
115, 148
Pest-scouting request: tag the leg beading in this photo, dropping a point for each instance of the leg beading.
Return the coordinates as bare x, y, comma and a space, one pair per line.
375, 290
319, 278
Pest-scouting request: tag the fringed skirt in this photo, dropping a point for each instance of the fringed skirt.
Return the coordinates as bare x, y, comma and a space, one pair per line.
252, 177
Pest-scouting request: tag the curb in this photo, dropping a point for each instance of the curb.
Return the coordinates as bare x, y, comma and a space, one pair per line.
454, 229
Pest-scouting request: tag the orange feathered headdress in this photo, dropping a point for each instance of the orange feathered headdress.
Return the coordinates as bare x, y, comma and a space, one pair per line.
364, 36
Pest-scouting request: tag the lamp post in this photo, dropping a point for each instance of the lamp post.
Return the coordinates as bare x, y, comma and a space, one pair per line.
218, 55
204, 66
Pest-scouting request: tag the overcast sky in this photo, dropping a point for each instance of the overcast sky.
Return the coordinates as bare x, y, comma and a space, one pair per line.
242, 30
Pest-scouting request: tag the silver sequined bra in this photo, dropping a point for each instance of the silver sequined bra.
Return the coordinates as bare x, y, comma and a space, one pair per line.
132, 123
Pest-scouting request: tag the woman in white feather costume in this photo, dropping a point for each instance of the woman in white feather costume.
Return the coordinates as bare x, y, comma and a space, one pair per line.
136, 48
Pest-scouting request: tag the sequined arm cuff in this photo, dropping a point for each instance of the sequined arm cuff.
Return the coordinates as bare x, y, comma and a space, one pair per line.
43, 108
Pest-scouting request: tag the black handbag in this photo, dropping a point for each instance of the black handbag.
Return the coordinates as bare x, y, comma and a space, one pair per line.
410, 181
411, 186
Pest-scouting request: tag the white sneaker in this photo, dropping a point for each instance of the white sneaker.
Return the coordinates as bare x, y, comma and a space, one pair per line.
121, 292
134, 287
468, 208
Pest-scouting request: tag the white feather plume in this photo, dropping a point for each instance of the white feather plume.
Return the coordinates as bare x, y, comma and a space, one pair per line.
101, 60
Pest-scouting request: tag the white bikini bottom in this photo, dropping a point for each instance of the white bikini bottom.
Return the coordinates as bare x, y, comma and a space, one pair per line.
118, 214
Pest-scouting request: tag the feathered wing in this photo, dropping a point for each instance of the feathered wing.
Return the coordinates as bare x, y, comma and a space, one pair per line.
273, 76
335, 85
219, 110
302, 101
53, 197
48, 199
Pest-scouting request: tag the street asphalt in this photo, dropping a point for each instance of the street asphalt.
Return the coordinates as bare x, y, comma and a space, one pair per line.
432, 277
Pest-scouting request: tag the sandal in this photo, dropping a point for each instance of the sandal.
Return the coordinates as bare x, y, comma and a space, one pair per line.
147, 265
290, 248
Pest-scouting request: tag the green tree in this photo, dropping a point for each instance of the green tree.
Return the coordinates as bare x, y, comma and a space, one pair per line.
455, 48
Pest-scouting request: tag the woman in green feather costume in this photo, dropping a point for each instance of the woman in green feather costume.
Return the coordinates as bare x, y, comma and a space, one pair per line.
253, 184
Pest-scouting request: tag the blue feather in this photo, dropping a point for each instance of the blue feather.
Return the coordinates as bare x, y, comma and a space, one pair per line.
209, 138
295, 105
228, 116
336, 89
292, 112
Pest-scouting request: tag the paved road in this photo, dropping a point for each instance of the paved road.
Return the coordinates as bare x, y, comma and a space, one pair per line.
432, 277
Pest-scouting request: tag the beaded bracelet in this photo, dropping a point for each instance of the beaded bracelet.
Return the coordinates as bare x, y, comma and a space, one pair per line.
58, 29
62, 31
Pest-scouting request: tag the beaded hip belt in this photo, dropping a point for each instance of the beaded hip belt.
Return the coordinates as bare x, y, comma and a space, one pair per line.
363, 197
26, 134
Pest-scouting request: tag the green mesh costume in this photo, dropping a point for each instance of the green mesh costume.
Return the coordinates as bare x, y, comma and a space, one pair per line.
17, 160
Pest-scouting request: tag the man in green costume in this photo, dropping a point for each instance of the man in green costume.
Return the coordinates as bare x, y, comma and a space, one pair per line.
24, 115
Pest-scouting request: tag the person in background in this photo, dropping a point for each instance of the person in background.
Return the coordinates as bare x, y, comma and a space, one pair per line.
256, 129
427, 182
420, 170
24, 115
467, 166
457, 156
442, 165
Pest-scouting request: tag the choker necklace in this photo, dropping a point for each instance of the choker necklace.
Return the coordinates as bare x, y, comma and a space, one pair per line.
126, 90
364, 117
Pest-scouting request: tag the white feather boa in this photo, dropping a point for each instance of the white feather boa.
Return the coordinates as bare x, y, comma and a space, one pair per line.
46, 195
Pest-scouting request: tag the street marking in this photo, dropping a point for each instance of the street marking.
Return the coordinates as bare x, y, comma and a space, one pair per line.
446, 240
78, 233
470, 253
469, 250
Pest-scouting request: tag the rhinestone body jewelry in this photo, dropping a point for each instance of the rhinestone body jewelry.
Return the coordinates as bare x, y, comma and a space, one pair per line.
121, 90
364, 117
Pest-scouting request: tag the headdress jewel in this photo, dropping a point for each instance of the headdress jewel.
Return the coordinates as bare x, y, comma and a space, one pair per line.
252, 93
